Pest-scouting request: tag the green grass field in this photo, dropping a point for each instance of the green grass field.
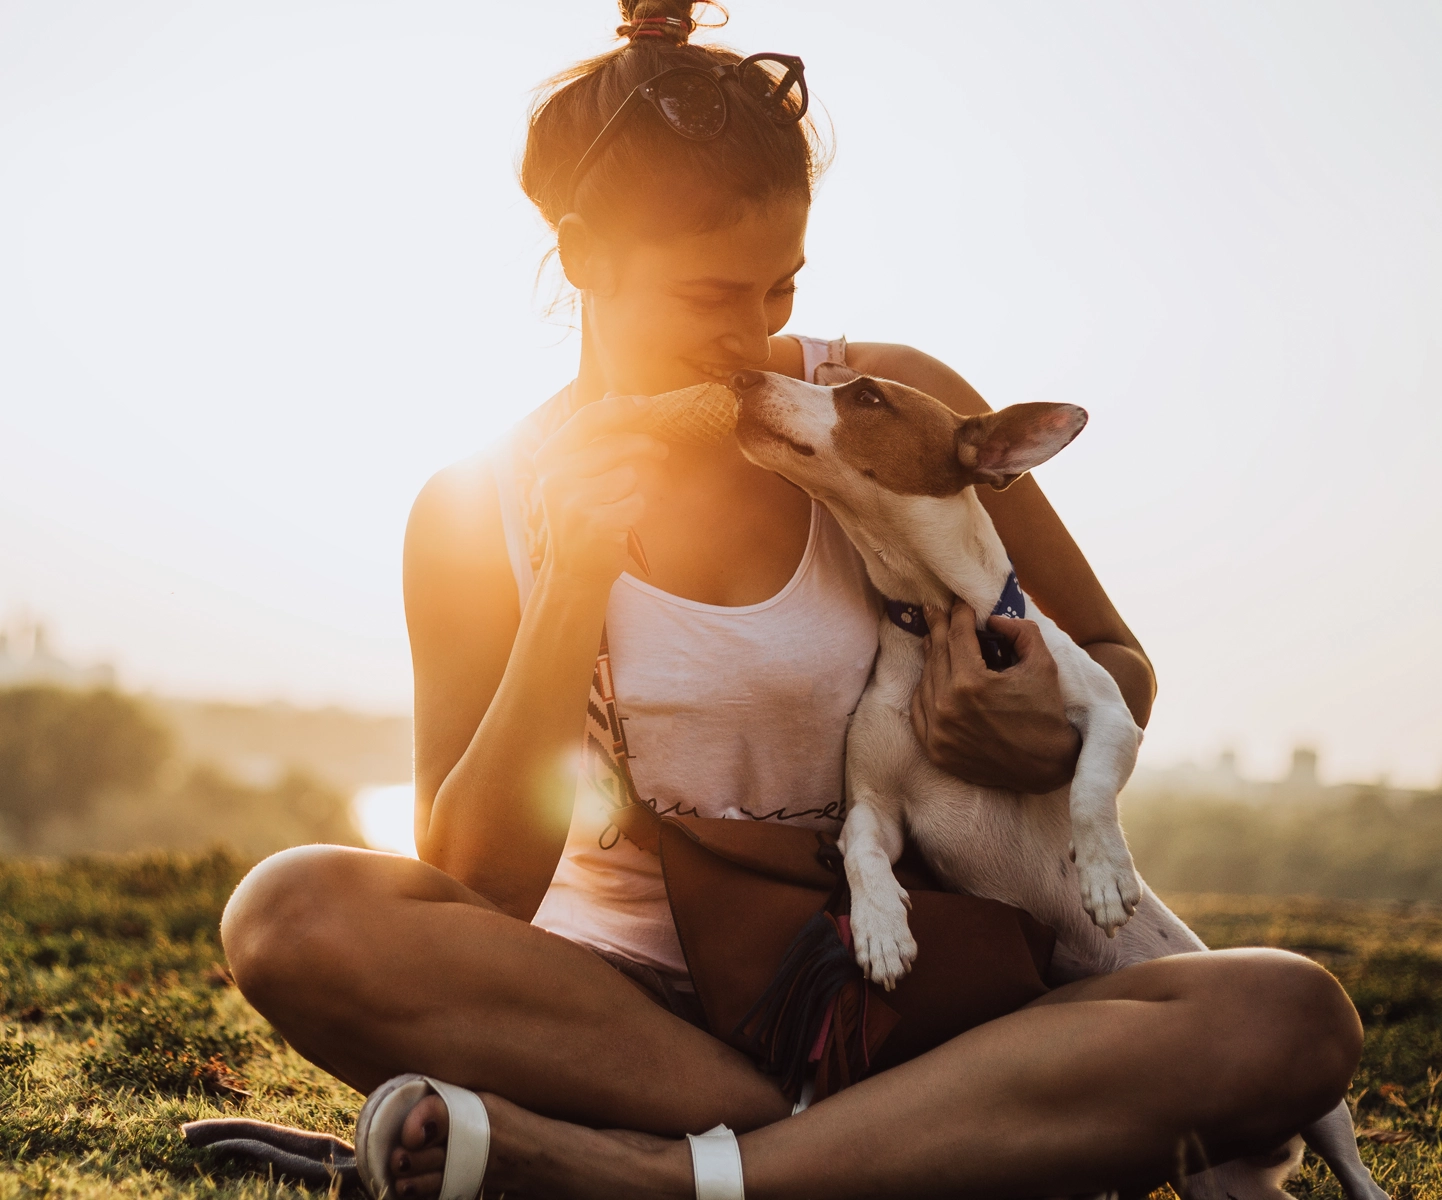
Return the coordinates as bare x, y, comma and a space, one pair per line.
119, 1023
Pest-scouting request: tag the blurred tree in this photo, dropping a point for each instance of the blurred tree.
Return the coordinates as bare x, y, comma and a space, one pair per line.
210, 808
1368, 848
60, 749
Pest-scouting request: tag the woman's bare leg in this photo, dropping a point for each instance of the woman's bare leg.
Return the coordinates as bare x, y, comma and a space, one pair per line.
371, 965
1096, 1086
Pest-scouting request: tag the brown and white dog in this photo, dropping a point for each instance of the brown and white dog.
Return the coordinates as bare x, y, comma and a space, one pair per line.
897, 470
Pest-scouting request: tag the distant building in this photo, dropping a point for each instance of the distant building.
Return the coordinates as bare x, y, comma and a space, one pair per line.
1303, 774
26, 657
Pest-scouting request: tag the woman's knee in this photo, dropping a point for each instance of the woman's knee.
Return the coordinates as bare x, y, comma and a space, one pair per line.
1299, 1030
287, 914
1326, 1031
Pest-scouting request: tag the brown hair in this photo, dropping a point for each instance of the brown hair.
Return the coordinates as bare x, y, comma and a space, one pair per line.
650, 180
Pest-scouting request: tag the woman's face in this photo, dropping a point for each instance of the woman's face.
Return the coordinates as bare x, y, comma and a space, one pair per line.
663, 315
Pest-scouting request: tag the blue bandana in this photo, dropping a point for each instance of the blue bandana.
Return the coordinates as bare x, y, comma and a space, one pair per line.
996, 651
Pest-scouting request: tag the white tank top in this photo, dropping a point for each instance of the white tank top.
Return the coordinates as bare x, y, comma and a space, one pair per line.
730, 712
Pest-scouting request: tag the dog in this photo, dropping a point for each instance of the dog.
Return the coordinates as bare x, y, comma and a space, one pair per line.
898, 470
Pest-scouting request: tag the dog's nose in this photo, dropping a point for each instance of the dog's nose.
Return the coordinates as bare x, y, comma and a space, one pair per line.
741, 380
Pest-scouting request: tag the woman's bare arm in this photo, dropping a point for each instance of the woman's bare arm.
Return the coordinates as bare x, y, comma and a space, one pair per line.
501, 694
1049, 566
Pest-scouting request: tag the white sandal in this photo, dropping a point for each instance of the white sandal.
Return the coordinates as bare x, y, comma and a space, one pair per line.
378, 1133
716, 1165
715, 1154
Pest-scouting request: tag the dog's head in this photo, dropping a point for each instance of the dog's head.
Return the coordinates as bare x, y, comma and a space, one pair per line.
857, 441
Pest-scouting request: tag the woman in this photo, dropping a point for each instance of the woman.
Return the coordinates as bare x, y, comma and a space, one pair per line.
530, 952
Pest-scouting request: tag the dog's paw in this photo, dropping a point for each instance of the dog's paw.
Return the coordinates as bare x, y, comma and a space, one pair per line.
880, 934
1110, 886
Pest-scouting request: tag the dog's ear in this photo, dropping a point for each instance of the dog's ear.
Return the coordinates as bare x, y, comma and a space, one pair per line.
998, 448
830, 374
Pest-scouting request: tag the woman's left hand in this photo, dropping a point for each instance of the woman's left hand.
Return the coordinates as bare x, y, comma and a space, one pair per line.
995, 728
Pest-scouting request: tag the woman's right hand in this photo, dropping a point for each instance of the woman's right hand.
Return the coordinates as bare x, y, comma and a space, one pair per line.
589, 487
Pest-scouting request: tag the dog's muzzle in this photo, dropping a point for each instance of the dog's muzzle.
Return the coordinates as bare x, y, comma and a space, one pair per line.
741, 381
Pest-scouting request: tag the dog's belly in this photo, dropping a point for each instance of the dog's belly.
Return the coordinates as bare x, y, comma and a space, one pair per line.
994, 843
1016, 849
1003, 846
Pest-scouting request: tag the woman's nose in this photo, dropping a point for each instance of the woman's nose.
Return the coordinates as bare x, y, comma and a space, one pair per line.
751, 346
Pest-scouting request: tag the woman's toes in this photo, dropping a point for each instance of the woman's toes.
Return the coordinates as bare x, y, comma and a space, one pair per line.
426, 1124
417, 1162
419, 1186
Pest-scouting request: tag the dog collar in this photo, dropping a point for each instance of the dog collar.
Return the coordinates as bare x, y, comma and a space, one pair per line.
996, 651
908, 617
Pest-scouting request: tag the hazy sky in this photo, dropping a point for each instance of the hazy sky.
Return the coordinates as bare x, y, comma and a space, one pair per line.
264, 267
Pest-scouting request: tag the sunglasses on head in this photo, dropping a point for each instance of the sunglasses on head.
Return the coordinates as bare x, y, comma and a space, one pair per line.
692, 101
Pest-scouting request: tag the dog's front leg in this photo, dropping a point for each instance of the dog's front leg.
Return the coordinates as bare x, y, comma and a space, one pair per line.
871, 840
1110, 886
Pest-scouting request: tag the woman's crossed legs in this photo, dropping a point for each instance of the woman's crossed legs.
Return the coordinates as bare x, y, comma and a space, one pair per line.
373, 965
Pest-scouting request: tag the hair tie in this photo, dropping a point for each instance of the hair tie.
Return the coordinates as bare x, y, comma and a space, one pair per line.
672, 29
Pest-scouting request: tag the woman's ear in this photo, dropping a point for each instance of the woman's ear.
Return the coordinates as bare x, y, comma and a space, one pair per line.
577, 247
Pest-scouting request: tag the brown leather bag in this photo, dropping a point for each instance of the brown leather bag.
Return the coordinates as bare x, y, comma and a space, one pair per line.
743, 892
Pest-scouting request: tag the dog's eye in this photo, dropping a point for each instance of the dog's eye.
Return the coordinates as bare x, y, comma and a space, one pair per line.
869, 398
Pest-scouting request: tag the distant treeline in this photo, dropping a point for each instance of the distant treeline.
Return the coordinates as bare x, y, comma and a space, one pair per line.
97, 771
88, 771
1368, 849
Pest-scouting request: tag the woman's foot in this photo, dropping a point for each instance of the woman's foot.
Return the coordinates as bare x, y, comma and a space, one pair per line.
537, 1156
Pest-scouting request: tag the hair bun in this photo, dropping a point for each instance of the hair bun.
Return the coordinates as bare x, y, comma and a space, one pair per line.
663, 20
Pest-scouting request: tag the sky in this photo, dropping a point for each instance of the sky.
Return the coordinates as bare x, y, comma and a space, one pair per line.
265, 267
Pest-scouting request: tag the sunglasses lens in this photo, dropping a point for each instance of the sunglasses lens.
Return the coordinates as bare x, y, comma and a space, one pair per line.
692, 104
777, 85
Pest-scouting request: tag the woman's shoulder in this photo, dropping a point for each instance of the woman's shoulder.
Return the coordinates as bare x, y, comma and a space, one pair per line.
461, 503
916, 369
456, 516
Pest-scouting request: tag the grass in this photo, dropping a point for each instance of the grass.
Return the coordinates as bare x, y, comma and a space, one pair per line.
118, 1022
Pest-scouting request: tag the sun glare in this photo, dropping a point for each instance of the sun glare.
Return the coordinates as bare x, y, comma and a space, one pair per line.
384, 814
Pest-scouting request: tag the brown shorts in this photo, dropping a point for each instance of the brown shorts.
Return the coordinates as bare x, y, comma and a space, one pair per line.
660, 989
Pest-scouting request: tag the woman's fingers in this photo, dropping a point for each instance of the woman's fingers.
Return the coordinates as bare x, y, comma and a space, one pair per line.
599, 456
1025, 638
965, 650
610, 414
604, 453
619, 516
607, 488
937, 642
935, 666
589, 473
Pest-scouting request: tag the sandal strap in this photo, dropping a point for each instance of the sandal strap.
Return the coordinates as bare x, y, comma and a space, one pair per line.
716, 1164
468, 1144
